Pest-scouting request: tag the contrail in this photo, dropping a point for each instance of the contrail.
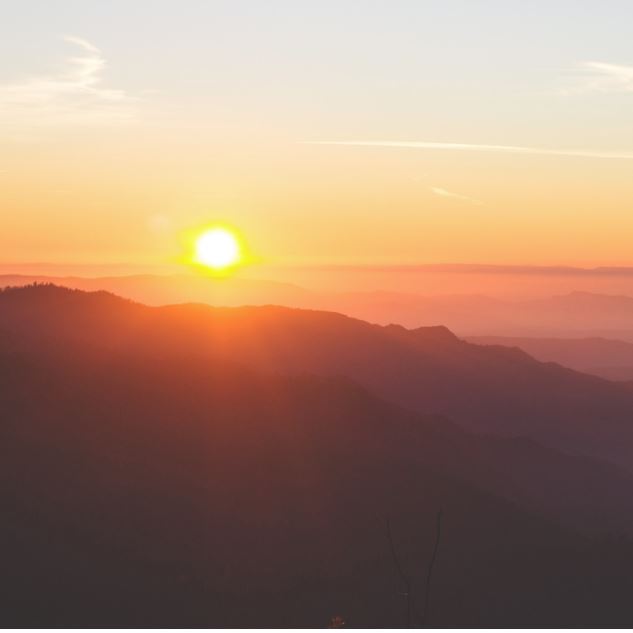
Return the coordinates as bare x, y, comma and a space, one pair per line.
464, 147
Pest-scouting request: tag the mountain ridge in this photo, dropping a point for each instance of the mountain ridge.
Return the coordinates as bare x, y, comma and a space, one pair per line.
207, 491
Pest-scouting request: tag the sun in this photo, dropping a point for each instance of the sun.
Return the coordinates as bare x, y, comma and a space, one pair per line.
217, 248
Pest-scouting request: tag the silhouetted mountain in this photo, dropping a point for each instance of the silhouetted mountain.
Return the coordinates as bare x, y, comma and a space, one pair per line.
165, 289
599, 356
578, 490
572, 315
576, 314
485, 388
150, 481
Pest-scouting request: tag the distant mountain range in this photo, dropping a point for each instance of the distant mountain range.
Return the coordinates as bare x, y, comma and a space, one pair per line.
207, 467
577, 314
572, 315
608, 358
166, 289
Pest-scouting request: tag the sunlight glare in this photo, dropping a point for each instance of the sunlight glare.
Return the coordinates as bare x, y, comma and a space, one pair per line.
217, 248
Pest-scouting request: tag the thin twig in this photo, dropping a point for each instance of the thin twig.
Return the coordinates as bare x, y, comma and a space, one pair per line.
403, 576
431, 564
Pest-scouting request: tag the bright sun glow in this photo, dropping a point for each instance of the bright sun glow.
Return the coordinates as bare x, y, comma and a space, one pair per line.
217, 248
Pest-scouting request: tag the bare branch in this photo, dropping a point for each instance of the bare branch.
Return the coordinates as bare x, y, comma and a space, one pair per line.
403, 577
431, 565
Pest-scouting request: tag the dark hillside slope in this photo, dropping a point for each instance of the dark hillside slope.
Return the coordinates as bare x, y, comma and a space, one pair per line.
145, 481
144, 494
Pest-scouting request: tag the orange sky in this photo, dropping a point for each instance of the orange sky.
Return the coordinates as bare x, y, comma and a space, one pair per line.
107, 158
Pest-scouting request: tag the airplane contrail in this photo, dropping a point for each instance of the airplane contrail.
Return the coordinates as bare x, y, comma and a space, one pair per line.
465, 147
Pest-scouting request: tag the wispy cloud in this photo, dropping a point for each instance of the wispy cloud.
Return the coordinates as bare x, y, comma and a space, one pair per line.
603, 77
444, 193
466, 147
74, 96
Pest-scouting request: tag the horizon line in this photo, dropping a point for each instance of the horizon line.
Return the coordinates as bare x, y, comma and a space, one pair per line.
466, 268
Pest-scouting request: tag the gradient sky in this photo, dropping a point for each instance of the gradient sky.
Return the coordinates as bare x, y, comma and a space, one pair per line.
484, 132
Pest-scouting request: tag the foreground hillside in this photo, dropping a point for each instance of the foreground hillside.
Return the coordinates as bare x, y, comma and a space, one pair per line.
150, 481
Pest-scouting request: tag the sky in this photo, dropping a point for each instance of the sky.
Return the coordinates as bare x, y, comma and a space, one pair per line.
327, 133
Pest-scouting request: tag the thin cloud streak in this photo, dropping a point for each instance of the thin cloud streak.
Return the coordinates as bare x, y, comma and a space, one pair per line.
85, 44
444, 193
604, 78
74, 96
467, 147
